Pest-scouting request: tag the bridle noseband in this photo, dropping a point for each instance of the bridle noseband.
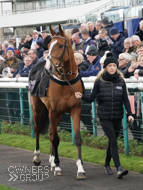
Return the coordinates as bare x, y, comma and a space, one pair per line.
60, 59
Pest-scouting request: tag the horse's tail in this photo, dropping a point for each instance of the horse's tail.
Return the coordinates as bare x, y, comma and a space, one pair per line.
44, 123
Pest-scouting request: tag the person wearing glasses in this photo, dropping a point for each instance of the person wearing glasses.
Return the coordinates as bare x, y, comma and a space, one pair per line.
124, 62
135, 41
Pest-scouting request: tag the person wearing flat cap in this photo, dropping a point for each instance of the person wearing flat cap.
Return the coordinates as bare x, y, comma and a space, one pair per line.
118, 45
110, 89
106, 24
94, 59
47, 38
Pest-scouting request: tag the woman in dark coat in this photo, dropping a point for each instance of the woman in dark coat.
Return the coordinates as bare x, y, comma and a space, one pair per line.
82, 65
110, 89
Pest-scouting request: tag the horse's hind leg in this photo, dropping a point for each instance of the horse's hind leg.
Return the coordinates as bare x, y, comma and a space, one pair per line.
54, 139
37, 107
76, 124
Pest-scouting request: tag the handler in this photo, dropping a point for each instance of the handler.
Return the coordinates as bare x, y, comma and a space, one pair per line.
110, 90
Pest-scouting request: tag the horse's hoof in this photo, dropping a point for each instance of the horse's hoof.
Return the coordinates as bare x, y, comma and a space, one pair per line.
57, 173
81, 175
52, 169
36, 163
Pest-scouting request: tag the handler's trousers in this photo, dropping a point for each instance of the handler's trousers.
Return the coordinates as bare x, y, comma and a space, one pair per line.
108, 127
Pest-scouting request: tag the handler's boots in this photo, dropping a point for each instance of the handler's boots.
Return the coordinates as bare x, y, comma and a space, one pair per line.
108, 170
121, 172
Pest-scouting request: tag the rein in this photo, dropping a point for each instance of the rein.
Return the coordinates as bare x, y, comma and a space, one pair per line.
82, 104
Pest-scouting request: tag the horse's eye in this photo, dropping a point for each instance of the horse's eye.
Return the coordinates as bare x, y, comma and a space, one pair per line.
60, 46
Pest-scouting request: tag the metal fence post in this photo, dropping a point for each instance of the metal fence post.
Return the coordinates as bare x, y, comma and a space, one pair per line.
0, 127
93, 120
31, 119
142, 116
21, 106
126, 141
73, 135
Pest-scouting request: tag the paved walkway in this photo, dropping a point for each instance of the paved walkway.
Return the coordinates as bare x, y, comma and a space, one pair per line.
17, 171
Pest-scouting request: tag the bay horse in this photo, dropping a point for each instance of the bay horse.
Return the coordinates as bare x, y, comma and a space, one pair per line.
59, 99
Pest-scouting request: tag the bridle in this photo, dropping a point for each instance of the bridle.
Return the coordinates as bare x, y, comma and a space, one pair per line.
58, 67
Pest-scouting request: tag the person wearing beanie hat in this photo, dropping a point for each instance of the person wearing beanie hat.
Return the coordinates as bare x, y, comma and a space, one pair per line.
118, 45
39, 47
110, 89
94, 59
10, 49
109, 60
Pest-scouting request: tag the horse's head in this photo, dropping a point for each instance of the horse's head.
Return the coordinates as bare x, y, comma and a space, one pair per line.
58, 50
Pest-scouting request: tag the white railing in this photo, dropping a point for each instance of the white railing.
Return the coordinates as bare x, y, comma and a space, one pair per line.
22, 82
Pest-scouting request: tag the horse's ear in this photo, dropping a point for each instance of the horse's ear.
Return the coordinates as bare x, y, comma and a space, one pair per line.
61, 31
52, 31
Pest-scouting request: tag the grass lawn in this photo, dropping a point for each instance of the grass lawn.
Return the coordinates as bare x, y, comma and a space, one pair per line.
132, 163
2, 187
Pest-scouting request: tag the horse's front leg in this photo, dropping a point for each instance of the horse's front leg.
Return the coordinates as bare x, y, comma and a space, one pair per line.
54, 139
76, 114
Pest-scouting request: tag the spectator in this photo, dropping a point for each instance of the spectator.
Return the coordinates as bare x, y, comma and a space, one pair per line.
33, 53
24, 52
140, 33
92, 30
82, 65
103, 35
132, 68
135, 41
118, 45
139, 71
13, 40
39, 48
128, 48
77, 42
101, 43
11, 61
106, 24
24, 68
98, 25
24, 43
36, 37
76, 31
87, 42
124, 62
1, 51
83, 27
47, 38
4, 47
139, 50
94, 59
29, 39
68, 33
17, 52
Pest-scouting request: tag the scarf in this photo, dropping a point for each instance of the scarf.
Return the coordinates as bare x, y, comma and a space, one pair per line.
110, 77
